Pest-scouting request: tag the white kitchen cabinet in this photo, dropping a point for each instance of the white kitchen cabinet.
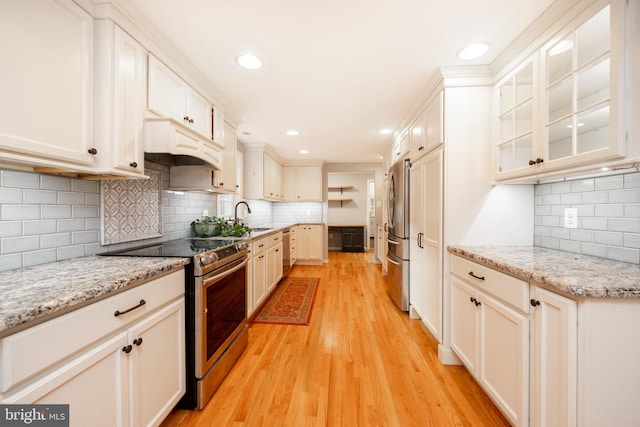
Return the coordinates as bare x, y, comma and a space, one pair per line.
262, 176
293, 245
554, 340
426, 133
400, 147
302, 183
310, 244
119, 104
490, 334
170, 96
259, 272
46, 84
113, 370
425, 235
274, 266
229, 170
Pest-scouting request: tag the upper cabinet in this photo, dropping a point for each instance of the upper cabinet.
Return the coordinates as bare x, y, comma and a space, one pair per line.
563, 108
262, 176
302, 183
400, 146
229, 169
46, 84
426, 133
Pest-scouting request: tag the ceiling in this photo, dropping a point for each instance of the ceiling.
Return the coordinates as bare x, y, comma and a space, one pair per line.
337, 71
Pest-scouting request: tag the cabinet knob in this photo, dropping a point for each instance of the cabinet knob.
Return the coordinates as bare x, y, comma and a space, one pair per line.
133, 164
534, 302
421, 148
137, 341
92, 151
185, 118
191, 121
477, 303
127, 349
532, 162
539, 160
472, 299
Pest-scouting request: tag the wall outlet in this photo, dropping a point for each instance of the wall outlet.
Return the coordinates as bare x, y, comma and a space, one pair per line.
205, 212
570, 218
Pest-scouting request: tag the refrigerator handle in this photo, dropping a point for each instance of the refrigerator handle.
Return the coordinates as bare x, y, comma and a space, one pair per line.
393, 242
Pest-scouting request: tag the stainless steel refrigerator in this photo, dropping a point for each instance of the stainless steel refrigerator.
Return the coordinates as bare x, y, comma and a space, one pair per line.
398, 234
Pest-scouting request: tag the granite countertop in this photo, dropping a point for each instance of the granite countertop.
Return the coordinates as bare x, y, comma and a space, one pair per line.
569, 273
29, 294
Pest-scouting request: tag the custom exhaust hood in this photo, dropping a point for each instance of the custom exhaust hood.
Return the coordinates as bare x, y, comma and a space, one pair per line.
188, 173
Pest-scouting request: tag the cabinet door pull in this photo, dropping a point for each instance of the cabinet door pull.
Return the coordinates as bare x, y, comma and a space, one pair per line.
539, 160
532, 162
127, 349
534, 302
137, 341
140, 304
133, 164
477, 303
477, 277
472, 299
92, 151
186, 118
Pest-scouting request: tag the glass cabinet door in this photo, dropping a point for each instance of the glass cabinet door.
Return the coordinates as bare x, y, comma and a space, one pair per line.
516, 107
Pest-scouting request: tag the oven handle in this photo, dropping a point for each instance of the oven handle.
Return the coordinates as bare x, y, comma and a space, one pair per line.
216, 278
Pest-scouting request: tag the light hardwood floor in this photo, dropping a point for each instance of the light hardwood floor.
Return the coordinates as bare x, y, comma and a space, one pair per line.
360, 362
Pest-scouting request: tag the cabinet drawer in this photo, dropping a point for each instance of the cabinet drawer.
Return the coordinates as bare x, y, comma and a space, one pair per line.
507, 288
33, 350
259, 245
274, 239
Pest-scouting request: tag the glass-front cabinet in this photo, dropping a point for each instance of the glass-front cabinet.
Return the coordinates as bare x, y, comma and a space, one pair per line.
561, 108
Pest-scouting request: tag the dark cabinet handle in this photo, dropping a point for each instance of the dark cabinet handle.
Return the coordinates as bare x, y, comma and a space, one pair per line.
137, 341
472, 299
477, 303
120, 313
532, 162
127, 349
477, 277
534, 302
185, 118
191, 121
539, 160
92, 151
133, 164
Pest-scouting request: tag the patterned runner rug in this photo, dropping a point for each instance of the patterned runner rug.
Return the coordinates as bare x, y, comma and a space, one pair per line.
291, 302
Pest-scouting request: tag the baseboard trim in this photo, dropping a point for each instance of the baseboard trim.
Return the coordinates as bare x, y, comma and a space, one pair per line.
447, 356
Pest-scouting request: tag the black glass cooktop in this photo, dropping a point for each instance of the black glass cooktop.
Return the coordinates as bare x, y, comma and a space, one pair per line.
180, 248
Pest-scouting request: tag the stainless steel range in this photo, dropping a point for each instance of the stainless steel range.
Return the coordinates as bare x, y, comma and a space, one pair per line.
216, 320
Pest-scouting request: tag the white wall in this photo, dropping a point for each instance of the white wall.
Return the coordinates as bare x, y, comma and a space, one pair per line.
349, 212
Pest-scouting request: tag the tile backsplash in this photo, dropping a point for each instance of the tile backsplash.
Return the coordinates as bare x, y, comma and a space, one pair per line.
45, 218
608, 210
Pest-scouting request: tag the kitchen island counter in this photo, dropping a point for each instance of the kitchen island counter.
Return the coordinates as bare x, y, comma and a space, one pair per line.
34, 294
572, 274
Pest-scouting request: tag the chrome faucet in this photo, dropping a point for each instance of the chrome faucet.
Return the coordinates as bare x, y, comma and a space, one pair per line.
235, 217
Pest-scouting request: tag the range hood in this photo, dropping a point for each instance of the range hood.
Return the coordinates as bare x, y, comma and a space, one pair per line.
195, 178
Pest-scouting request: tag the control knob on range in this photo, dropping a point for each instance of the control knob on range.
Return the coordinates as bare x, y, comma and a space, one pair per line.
208, 258
242, 246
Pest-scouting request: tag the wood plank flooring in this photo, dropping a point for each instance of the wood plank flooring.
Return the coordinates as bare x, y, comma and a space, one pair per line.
360, 362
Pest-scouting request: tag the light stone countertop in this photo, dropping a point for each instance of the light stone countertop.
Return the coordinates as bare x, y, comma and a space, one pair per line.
32, 293
569, 273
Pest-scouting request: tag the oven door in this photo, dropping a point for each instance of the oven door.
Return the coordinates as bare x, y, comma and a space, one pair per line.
221, 312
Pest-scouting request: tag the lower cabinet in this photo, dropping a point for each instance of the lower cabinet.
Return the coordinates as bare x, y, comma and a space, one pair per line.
132, 378
353, 239
309, 247
258, 278
274, 266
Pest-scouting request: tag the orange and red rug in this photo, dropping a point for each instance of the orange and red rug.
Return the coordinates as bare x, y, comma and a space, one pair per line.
291, 302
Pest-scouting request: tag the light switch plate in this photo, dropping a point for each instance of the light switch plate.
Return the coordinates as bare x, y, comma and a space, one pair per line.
570, 218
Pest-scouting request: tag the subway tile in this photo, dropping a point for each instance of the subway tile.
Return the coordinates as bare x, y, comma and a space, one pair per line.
92, 199
71, 198
542, 231
631, 240
632, 210
631, 195
581, 235
50, 182
550, 243
593, 249
68, 252
581, 185
593, 223
55, 211
560, 233
94, 249
629, 225
66, 225
595, 197
537, 241
41, 226
615, 211
558, 210
571, 198
584, 210
609, 182
632, 180
537, 220
19, 179
542, 210
39, 257
10, 195
56, 240
12, 245
551, 221
16, 212
10, 228
542, 189
92, 223
551, 199
86, 212
609, 238
560, 187
85, 237
570, 246
85, 186
40, 197
9, 262
624, 254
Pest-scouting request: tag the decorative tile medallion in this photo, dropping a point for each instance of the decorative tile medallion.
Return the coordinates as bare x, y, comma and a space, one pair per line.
131, 208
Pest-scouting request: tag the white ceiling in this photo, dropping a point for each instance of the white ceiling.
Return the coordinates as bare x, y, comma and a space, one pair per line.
335, 70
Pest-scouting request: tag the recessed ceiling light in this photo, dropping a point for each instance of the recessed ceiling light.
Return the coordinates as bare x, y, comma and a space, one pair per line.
473, 51
292, 132
304, 151
249, 60
384, 131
